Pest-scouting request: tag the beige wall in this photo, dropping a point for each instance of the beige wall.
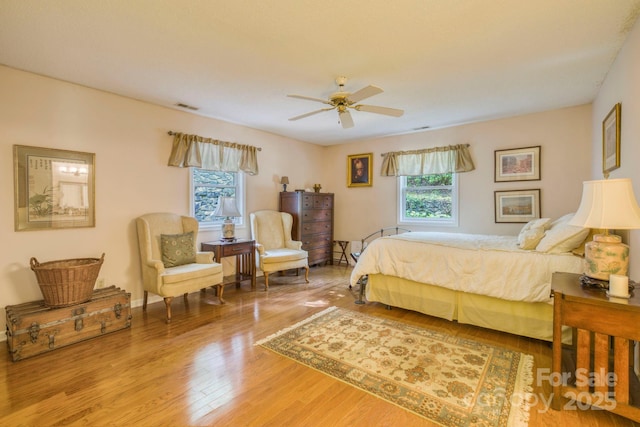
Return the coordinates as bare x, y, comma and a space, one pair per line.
564, 136
132, 147
622, 85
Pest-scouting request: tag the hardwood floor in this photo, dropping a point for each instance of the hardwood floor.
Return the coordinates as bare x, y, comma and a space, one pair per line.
203, 369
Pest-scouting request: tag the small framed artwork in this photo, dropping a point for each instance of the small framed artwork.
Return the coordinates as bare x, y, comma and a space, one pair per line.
359, 170
519, 164
517, 205
611, 140
53, 188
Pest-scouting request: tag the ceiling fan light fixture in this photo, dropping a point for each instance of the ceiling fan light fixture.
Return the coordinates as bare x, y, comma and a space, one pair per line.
342, 100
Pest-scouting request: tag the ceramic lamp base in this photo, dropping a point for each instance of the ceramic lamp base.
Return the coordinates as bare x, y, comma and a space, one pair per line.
606, 255
228, 231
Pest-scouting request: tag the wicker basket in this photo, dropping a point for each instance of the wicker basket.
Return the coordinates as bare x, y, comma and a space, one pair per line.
68, 281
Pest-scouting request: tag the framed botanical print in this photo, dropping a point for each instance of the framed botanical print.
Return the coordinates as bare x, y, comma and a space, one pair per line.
53, 188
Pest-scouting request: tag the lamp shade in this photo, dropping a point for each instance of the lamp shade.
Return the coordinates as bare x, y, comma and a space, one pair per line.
608, 204
226, 207
284, 180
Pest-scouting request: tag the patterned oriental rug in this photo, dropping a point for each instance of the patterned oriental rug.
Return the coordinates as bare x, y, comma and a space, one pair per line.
448, 380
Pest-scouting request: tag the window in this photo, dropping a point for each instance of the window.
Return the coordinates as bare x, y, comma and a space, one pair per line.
429, 199
207, 186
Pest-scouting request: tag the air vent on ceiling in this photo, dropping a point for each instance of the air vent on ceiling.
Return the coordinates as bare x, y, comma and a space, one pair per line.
189, 107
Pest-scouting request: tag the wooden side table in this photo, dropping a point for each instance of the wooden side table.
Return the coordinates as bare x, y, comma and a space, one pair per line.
243, 250
605, 329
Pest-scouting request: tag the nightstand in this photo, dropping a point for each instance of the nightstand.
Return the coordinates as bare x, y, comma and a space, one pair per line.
243, 250
604, 331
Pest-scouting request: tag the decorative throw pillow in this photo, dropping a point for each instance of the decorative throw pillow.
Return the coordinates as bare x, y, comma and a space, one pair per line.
562, 220
562, 238
532, 233
177, 249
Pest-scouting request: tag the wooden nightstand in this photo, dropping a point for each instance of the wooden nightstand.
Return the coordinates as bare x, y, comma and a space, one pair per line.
243, 250
605, 329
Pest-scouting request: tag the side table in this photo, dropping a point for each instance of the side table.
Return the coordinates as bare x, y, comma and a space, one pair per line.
243, 250
342, 246
605, 329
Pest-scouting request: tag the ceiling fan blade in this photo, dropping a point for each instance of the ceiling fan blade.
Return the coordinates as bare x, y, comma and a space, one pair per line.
363, 93
310, 98
302, 116
380, 110
345, 119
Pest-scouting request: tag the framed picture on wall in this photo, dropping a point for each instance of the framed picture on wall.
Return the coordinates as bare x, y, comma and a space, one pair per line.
360, 170
517, 205
611, 140
53, 188
519, 164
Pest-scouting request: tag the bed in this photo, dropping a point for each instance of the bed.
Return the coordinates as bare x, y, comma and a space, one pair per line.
496, 282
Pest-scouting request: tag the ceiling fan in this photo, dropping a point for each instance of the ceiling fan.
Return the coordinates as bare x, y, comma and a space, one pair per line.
343, 101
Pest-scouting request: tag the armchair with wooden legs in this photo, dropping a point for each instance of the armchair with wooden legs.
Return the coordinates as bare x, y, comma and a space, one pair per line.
171, 265
275, 249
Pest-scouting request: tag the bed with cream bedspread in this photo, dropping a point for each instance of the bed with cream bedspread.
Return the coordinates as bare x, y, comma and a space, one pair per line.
479, 279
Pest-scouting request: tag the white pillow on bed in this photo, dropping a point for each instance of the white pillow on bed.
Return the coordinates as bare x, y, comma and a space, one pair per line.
562, 237
532, 233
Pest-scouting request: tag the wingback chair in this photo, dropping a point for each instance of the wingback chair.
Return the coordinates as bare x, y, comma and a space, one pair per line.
170, 262
275, 250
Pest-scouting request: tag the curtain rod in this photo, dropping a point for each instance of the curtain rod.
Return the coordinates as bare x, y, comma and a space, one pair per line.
173, 133
426, 150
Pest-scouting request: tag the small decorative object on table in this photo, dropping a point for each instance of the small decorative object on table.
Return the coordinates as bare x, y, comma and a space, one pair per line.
317, 188
68, 281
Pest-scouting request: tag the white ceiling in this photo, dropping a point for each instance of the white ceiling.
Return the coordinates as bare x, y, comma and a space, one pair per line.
445, 62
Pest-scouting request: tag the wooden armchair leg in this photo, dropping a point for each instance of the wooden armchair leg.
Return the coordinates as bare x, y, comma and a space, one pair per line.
306, 274
167, 302
144, 300
220, 290
266, 281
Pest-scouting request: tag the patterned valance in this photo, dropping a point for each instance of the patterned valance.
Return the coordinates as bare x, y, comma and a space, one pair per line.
452, 158
212, 154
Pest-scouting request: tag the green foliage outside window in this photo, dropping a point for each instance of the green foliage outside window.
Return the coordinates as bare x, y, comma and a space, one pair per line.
429, 196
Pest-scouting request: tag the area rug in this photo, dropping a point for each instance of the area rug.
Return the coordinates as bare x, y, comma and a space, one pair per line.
448, 380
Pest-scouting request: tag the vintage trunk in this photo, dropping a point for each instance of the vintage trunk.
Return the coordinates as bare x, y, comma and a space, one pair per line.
33, 328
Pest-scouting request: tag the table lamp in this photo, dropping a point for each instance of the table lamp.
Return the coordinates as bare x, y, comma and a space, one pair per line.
608, 204
227, 208
284, 181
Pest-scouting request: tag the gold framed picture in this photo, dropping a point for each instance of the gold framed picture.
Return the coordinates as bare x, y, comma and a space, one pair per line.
359, 170
53, 188
611, 140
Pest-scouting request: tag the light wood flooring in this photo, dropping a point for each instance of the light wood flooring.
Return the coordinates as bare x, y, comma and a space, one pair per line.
203, 368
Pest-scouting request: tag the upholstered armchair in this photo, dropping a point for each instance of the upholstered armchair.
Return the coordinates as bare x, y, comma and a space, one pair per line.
275, 250
171, 265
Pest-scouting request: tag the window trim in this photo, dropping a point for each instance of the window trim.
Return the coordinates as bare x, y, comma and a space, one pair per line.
442, 222
240, 203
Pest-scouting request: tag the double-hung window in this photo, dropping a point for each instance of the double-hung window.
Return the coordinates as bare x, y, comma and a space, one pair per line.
207, 187
428, 199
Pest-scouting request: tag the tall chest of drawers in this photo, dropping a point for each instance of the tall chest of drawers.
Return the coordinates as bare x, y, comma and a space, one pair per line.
312, 222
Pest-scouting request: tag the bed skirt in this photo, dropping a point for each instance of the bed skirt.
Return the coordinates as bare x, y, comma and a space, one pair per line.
529, 319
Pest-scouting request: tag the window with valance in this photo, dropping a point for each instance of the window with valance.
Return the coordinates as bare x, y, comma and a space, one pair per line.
427, 184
